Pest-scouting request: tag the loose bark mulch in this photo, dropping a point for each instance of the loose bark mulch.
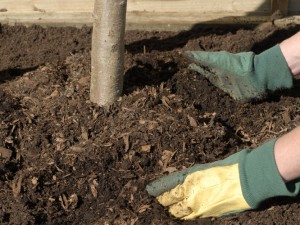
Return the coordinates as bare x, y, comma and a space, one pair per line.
65, 160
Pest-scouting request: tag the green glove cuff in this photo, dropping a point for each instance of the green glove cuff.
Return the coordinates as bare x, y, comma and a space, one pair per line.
272, 69
260, 178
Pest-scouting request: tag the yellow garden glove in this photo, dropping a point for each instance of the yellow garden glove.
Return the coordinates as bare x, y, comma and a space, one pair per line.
237, 183
211, 192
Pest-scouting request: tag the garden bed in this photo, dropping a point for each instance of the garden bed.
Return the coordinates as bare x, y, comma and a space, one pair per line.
72, 162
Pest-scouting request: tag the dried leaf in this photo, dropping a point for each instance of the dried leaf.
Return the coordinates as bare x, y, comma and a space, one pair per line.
73, 201
51, 199
55, 93
76, 149
153, 91
17, 184
9, 140
245, 137
166, 158
5, 153
193, 122
84, 80
167, 155
152, 125
131, 198
180, 110
94, 190
126, 142
84, 134
143, 208
70, 203
60, 140
170, 169
133, 221
109, 144
63, 201
34, 181
146, 148
142, 122
166, 102
286, 117
160, 163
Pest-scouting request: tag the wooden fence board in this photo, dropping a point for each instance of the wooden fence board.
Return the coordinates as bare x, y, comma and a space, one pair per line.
151, 14
139, 5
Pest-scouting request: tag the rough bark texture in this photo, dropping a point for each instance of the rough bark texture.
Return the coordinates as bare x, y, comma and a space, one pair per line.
108, 51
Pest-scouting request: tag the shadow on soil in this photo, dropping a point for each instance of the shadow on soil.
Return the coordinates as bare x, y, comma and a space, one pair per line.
11, 74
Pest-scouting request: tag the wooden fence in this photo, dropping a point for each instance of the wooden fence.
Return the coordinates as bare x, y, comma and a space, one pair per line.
147, 14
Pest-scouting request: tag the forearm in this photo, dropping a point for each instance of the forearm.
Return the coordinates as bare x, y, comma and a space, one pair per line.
287, 155
291, 51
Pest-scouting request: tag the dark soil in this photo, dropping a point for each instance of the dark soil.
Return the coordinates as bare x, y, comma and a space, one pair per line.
72, 162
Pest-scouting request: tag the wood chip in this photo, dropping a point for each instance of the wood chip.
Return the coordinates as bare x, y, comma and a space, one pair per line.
146, 148
94, 190
192, 120
17, 184
166, 102
286, 117
84, 134
144, 208
70, 203
170, 169
126, 142
5, 153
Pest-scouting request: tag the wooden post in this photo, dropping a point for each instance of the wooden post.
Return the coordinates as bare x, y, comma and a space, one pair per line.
107, 64
281, 5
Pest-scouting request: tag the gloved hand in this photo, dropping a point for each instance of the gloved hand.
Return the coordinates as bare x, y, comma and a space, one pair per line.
237, 183
243, 76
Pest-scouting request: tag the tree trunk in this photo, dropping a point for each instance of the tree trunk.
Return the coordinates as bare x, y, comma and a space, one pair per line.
107, 65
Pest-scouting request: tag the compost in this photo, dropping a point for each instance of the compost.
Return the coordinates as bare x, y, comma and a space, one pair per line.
65, 160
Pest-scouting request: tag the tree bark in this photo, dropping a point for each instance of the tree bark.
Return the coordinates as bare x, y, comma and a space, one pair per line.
107, 64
